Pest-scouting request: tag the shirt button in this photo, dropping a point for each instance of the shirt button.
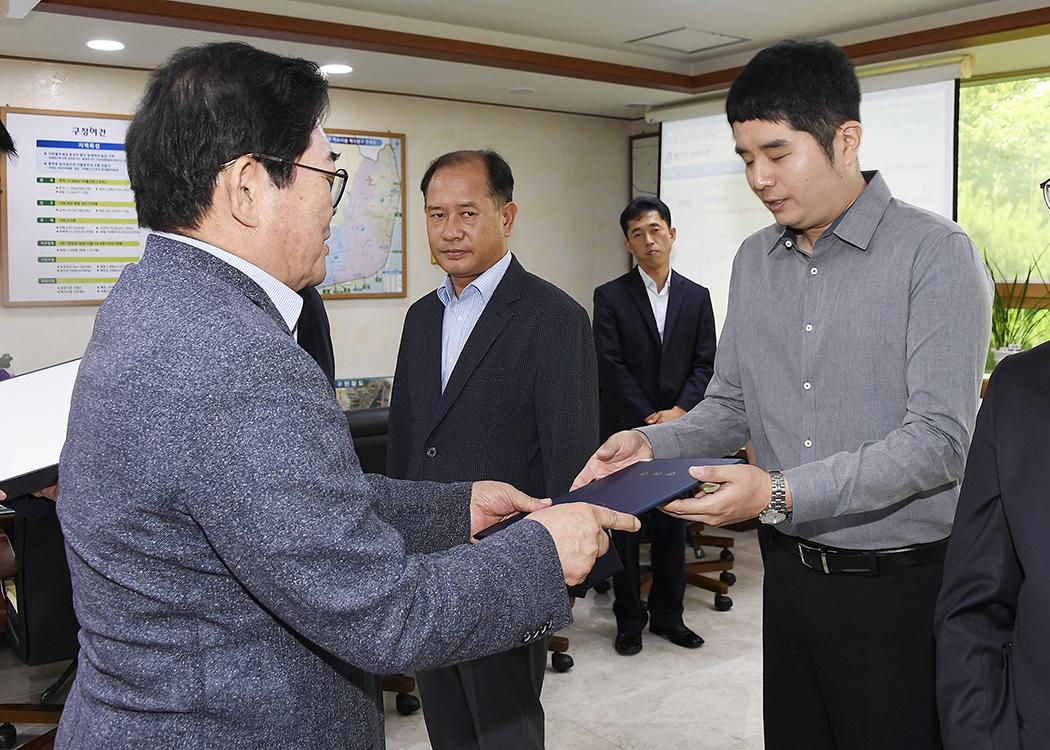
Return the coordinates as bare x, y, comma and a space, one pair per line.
809, 328
432, 452
789, 243
460, 318
807, 386
813, 271
808, 444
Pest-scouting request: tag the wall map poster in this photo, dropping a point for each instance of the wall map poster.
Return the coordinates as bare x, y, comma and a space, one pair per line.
366, 255
69, 223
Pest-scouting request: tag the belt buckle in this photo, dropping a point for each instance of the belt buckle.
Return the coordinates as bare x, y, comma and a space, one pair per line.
803, 548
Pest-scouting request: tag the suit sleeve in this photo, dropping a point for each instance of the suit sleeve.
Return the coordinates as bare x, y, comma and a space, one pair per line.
567, 399
617, 381
295, 522
977, 604
703, 361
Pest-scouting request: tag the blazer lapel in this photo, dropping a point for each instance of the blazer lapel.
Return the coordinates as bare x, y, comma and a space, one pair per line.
675, 295
493, 320
430, 371
640, 297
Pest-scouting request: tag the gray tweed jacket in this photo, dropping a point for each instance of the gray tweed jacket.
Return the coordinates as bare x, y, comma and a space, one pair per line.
240, 583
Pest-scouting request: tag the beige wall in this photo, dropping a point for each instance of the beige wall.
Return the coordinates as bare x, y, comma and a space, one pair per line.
570, 185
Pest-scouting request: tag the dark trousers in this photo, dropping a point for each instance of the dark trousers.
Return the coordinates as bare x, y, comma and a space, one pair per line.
848, 659
489, 703
667, 554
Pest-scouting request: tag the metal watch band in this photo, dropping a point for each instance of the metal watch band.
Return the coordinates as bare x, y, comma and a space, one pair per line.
777, 509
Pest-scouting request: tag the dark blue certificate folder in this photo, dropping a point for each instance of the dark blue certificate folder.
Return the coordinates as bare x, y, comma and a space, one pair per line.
635, 488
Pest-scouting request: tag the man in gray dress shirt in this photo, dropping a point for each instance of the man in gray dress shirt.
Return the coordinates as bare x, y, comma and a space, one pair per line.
852, 355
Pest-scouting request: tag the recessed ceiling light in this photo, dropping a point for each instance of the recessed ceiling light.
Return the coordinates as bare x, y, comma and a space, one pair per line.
106, 45
520, 90
335, 70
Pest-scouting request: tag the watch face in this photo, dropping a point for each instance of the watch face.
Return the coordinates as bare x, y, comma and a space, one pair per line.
771, 516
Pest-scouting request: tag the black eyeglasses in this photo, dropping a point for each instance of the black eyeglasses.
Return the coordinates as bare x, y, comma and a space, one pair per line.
337, 178
1045, 187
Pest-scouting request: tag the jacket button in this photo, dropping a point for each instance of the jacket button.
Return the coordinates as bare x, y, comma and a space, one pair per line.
432, 452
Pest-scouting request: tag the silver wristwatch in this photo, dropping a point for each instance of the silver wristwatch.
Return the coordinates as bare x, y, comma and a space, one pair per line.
777, 509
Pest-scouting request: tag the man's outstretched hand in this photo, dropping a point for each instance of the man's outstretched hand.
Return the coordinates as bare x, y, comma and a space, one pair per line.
491, 502
578, 530
620, 450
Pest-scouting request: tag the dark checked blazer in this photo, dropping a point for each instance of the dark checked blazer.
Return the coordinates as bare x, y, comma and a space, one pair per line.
239, 581
639, 374
993, 655
521, 405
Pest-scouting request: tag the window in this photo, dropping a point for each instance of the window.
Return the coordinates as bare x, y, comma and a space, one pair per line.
1004, 153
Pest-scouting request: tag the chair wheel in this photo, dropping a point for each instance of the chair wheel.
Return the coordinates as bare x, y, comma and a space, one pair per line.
723, 602
602, 587
8, 736
406, 703
726, 554
561, 662
727, 578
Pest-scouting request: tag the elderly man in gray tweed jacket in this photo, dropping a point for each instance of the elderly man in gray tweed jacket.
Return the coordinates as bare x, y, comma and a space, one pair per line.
239, 581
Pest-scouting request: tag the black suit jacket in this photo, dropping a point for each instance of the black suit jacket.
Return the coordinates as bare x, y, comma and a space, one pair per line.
993, 654
521, 405
640, 375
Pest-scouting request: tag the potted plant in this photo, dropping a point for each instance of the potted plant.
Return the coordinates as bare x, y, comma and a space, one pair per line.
1017, 317
5, 362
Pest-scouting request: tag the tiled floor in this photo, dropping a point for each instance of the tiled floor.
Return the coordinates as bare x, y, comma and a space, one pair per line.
665, 697
22, 684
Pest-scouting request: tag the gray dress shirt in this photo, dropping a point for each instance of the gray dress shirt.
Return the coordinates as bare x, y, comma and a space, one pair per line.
855, 371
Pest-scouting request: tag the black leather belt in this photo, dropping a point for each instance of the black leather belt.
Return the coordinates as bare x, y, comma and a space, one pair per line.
826, 559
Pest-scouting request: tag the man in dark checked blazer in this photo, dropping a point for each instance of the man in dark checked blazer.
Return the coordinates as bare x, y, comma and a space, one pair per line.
239, 582
495, 380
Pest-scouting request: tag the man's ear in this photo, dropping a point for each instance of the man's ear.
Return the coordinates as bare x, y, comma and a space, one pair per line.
850, 133
508, 212
243, 184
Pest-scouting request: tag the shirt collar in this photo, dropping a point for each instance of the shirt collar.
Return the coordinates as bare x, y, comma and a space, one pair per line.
287, 301
650, 284
858, 222
485, 284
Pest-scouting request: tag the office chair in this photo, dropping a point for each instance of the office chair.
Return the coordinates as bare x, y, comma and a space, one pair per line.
44, 616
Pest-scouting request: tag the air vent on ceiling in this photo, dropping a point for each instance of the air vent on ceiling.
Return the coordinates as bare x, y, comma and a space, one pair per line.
687, 40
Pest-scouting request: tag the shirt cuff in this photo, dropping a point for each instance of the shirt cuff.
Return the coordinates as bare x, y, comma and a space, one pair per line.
813, 492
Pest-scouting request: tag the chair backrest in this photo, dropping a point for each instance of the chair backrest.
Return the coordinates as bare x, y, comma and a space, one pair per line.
368, 428
43, 628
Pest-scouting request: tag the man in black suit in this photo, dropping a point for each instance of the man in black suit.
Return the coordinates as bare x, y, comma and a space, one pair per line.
495, 379
993, 656
654, 333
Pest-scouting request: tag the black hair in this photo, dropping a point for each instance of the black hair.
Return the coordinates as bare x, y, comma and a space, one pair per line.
209, 105
641, 206
7, 145
809, 85
501, 180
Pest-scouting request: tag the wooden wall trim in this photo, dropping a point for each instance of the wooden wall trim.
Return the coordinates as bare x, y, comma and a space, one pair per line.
234, 21
1021, 25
